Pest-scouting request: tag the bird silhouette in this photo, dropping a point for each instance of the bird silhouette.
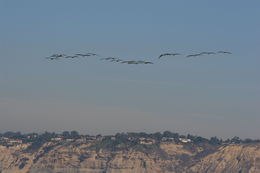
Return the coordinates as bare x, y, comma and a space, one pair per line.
119, 60
92, 54
144, 62
71, 56
129, 62
87, 54
79, 54
55, 56
116, 60
168, 54
207, 53
52, 58
224, 52
112, 59
194, 55
109, 58
136, 62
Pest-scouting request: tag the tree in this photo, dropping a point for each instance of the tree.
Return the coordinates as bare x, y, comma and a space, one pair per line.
14, 135
66, 134
248, 140
199, 139
46, 136
189, 136
98, 136
168, 134
215, 141
236, 140
74, 134
156, 136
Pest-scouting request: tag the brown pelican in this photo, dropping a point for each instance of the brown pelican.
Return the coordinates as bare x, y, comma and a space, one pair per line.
144, 62
87, 54
225, 52
207, 53
71, 56
136, 62
194, 55
129, 62
112, 59
79, 54
92, 54
109, 58
52, 58
55, 56
116, 60
168, 54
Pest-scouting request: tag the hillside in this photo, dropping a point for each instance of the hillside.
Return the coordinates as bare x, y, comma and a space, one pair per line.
145, 155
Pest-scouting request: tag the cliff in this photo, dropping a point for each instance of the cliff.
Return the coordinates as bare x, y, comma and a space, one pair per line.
165, 157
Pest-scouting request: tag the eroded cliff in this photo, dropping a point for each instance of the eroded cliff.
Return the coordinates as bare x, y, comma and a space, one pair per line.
165, 157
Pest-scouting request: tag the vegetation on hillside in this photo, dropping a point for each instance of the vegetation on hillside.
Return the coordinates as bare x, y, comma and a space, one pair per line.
119, 141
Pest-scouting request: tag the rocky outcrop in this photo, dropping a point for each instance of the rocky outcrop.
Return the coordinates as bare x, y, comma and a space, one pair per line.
73, 157
231, 159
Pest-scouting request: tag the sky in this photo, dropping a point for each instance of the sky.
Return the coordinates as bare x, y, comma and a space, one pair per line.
217, 95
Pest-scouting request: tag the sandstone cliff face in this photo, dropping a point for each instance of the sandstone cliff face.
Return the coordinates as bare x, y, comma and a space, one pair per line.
231, 159
168, 157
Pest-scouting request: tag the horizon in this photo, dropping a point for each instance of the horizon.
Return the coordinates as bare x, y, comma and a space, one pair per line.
211, 95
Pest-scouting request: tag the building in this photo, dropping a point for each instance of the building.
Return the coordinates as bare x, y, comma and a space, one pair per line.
146, 141
184, 140
57, 139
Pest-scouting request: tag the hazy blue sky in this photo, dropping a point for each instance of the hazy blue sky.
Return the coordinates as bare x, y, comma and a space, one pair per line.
208, 96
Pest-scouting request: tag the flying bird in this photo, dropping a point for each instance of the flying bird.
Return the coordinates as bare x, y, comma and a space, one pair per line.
225, 52
168, 54
52, 58
136, 62
71, 56
116, 60
207, 53
194, 55
92, 54
144, 62
87, 54
129, 62
111, 59
79, 54
55, 56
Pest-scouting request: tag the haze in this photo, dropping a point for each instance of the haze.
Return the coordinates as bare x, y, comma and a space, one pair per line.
206, 96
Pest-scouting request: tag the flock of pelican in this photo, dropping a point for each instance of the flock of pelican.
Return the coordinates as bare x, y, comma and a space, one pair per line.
119, 60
